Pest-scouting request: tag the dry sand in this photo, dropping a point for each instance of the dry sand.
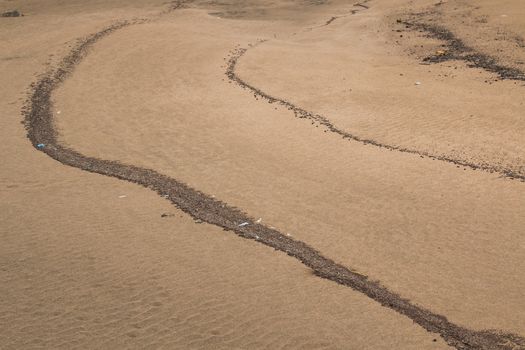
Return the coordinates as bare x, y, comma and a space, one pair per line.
89, 261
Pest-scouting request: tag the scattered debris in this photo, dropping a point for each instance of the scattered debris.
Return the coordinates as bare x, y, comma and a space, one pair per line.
244, 224
14, 13
259, 220
418, 83
41, 145
199, 221
165, 215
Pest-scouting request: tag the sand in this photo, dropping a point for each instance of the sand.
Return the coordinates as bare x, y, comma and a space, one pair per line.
89, 261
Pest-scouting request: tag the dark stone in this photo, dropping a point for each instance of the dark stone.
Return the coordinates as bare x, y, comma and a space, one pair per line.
14, 13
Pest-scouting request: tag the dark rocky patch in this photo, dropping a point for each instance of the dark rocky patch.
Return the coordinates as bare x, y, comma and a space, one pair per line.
457, 50
14, 13
330, 20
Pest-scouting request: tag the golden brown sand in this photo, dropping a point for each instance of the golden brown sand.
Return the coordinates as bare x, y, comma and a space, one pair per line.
88, 261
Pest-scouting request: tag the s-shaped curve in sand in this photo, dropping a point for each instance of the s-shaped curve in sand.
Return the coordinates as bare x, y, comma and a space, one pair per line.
41, 130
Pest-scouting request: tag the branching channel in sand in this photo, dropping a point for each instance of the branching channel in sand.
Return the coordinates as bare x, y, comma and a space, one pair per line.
43, 135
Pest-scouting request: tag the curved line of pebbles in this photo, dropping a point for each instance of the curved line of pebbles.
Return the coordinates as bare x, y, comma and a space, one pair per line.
43, 135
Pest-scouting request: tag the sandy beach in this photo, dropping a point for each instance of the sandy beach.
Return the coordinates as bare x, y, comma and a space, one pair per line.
292, 174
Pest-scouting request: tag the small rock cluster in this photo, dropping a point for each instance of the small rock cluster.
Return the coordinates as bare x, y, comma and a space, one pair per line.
13, 13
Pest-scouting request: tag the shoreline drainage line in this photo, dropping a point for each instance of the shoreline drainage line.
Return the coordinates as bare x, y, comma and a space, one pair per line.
43, 135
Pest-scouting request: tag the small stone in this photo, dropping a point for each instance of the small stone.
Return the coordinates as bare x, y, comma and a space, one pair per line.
14, 13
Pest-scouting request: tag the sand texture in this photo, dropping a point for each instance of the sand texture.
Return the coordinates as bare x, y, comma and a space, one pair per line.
262, 175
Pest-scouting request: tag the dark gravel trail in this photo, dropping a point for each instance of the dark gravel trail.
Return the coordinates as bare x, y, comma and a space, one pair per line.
43, 135
323, 121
